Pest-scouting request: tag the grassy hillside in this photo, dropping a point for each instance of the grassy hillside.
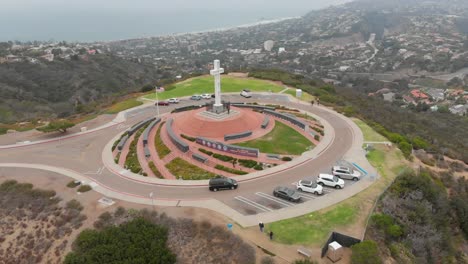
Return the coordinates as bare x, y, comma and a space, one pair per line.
62, 88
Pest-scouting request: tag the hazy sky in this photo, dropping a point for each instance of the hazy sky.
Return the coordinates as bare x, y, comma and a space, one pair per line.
18, 5
90, 20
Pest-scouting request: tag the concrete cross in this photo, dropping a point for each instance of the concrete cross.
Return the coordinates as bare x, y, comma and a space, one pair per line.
216, 72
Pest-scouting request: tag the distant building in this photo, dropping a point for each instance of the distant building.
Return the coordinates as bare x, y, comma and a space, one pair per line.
268, 45
417, 94
13, 58
92, 52
434, 108
458, 109
2, 60
281, 50
389, 97
344, 68
436, 94
48, 57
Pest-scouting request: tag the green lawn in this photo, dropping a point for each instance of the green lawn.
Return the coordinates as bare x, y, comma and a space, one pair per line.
305, 96
281, 140
205, 84
313, 228
124, 105
182, 169
369, 133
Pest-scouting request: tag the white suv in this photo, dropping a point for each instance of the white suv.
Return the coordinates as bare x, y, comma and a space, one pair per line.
330, 180
173, 100
246, 93
309, 186
346, 173
206, 96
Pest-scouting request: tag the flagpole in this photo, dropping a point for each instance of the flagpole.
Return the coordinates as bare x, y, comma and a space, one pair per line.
157, 101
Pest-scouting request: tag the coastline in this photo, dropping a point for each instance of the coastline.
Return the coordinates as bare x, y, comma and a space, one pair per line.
221, 29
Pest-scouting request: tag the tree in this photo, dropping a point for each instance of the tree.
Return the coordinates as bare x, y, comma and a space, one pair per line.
138, 241
60, 126
365, 252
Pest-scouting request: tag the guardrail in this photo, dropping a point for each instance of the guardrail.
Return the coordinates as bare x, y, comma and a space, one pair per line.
258, 107
237, 135
288, 118
180, 144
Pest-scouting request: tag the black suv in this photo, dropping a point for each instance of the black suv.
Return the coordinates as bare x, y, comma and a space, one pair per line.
222, 182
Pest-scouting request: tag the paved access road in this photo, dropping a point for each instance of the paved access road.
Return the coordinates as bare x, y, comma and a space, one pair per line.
82, 154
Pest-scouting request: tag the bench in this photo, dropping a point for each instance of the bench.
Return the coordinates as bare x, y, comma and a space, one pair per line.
238, 135
266, 121
122, 142
273, 156
179, 143
304, 252
147, 152
199, 157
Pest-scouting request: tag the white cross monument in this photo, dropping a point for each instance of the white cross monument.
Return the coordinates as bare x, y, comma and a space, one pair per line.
216, 72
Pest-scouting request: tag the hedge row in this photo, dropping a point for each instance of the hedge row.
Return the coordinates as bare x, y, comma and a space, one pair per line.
189, 138
233, 171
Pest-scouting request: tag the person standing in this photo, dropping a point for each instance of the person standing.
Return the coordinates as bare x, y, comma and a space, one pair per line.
271, 235
261, 225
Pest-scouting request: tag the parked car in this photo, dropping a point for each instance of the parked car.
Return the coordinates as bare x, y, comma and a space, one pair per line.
206, 96
221, 182
173, 100
213, 96
346, 173
287, 194
196, 97
161, 103
309, 186
246, 93
330, 180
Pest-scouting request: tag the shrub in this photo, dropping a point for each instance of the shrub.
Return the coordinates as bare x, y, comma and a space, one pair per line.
223, 157
84, 188
233, 171
286, 158
365, 252
247, 163
317, 137
207, 152
73, 184
74, 204
137, 241
258, 167
267, 260
406, 148
189, 138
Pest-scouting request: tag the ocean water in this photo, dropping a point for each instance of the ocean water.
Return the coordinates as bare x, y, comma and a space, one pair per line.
93, 25
94, 20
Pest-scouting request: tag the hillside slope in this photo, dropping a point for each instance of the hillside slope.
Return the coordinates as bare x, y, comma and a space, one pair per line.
55, 89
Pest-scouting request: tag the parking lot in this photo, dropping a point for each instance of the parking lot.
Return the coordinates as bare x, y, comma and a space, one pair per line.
260, 202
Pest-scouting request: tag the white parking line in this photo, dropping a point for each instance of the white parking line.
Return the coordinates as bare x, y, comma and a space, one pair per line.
306, 196
274, 199
252, 203
294, 183
327, 190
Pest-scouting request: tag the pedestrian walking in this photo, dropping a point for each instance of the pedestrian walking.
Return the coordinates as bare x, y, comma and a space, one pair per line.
261, 225
271, 235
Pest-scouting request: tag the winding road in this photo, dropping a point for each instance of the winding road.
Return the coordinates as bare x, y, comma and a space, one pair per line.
80, 157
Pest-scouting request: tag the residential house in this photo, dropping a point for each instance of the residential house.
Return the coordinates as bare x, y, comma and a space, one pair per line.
389, 97
417, 94
459, 109
48, 57
408, 99
436, 94
12, 58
